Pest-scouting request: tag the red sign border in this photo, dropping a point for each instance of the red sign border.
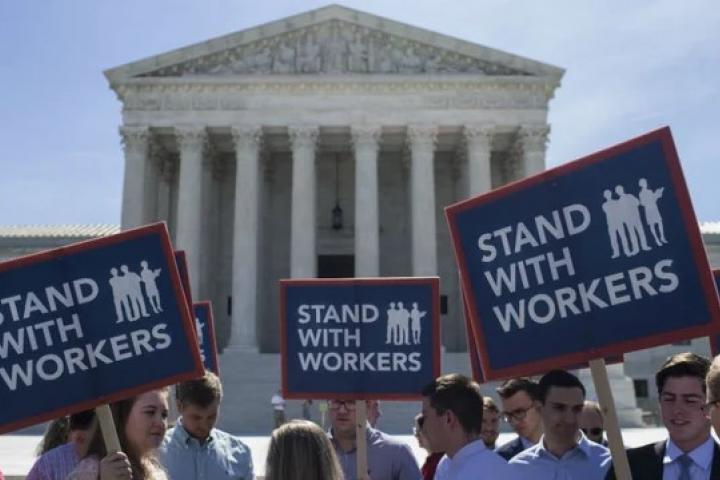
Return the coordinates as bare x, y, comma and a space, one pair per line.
618, 348
434, 282
211, 331
153, 229
715, 339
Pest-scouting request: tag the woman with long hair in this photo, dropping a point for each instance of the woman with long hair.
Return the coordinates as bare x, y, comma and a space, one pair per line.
300, 450
141, 422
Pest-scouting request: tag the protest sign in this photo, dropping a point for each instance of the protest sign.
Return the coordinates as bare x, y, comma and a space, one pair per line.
475, 367
715, 339
205, 332
359, 338
181, 261
91, 323
594, 258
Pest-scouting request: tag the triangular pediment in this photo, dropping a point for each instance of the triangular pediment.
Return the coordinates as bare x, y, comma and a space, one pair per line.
333, 40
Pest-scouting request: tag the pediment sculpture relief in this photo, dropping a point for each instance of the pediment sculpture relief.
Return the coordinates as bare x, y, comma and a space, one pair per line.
334, 47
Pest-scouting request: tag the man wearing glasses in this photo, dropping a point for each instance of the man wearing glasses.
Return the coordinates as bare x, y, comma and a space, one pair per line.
519, 397
388, 459
690, 453
591, 422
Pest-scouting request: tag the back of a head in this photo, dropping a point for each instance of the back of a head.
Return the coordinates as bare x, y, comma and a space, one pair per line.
460, 395
560, 379
682, 365
300, 450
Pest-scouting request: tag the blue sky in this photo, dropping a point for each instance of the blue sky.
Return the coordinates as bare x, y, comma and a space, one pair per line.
630, 67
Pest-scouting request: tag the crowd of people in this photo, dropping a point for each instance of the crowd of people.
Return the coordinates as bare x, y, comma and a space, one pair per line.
559, 435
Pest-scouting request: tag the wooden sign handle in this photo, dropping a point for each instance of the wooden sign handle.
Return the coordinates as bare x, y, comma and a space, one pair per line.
361, 440
607, 404
107, 426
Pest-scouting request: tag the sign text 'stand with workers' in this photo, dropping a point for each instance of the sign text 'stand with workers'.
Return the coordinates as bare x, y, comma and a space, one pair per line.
594, 258
359, 338
89, 323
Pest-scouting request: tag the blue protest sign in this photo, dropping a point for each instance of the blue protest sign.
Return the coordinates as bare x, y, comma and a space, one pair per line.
359, 338
90, 323
592, 259
715, 339
475, 367
181, 261
205, 333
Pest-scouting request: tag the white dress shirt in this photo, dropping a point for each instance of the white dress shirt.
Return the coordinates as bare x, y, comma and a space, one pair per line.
472, 461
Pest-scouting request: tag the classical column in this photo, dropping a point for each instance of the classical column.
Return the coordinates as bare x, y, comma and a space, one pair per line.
532, 140
135, 141
243, 334
421, 140
367, 227
478, 139
192, 140
302, 235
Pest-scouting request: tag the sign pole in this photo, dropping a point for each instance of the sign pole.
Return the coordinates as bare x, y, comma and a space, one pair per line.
607, 404
361, 439
107, 426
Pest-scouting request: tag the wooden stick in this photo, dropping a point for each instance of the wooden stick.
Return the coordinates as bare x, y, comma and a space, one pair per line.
361, 440
607, 404
107, 425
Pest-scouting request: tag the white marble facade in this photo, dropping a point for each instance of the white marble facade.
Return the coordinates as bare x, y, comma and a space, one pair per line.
242, 144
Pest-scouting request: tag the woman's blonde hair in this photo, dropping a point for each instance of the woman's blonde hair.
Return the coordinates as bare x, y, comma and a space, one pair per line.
300, 450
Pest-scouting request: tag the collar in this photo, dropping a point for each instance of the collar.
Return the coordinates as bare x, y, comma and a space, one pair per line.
702, 455
525, 442
186, 439
476, 447
582, 446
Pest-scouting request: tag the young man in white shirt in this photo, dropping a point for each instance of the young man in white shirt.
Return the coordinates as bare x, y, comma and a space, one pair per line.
452, 421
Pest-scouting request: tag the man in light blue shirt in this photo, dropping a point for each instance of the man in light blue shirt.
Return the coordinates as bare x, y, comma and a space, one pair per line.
194, 449
563, 452
452, 413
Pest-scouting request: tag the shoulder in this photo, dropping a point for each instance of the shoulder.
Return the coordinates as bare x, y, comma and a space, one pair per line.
513, 445
382, 439
229, 439
649, 451
87, 469
526, 457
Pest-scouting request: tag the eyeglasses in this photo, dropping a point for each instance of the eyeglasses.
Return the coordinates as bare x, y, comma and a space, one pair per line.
336, 404
595, 431
516, 415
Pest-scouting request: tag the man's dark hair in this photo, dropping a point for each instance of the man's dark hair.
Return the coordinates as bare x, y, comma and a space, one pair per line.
682, 365
200, 392
460, 395
82, 420
558, 378
520, 384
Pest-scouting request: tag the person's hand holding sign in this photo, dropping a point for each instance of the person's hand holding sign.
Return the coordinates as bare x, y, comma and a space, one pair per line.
115, 466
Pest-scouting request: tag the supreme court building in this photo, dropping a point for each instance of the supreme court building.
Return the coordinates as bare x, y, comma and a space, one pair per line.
322, 145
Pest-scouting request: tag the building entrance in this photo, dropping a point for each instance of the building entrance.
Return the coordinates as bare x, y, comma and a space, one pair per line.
336, 266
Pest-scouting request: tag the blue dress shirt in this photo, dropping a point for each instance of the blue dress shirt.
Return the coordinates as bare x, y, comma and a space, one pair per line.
701, 460
587, 461
221, 456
